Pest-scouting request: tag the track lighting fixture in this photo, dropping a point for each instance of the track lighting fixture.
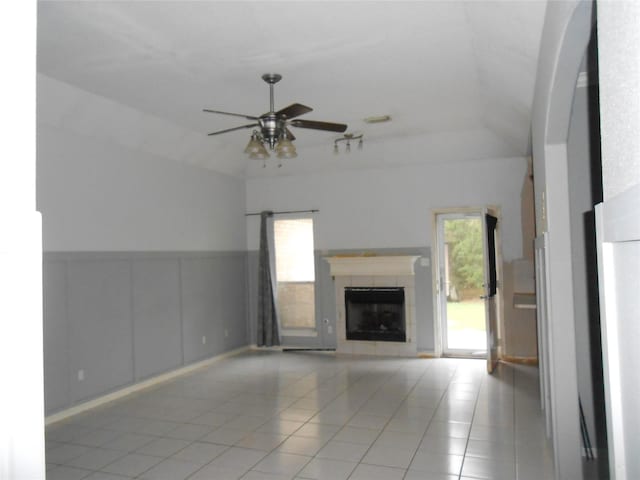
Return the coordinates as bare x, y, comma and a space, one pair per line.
348, 138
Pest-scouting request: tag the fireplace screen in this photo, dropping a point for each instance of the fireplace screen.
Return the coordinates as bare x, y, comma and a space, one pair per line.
375, 313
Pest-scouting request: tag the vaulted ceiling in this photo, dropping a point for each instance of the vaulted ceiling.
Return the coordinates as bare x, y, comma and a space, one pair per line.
456, 77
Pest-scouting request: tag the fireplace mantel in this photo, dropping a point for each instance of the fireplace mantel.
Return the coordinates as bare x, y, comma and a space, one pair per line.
387, 265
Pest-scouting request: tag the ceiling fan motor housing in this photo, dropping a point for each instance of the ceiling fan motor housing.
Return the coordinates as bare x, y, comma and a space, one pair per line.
271, 127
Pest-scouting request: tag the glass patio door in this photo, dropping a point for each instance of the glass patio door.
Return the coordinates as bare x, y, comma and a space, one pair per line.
461, 276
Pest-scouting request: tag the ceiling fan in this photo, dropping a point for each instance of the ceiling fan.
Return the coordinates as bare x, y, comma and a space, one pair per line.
273, 127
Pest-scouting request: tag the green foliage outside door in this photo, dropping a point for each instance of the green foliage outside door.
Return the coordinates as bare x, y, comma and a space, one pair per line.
463, 237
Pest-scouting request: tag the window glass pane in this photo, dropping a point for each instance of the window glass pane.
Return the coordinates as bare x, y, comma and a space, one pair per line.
294, 250
296, 305
295, 272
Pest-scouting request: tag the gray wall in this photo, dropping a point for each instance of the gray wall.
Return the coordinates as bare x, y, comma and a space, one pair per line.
144, 256
99, 197
123, 317
326, 301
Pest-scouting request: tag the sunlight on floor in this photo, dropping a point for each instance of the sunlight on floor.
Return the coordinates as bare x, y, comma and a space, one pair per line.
466, 322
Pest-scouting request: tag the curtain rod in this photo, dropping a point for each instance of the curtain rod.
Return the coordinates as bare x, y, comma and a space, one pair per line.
280, 213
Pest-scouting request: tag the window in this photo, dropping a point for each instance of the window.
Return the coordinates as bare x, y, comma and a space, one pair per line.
295, 273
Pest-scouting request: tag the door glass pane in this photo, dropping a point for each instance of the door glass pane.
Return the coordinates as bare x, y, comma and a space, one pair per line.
295, 272
464, 278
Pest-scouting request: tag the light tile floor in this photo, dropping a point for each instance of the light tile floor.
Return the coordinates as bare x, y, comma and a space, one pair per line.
293, 415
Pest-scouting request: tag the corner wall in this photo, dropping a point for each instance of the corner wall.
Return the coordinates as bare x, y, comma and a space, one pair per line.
144, 264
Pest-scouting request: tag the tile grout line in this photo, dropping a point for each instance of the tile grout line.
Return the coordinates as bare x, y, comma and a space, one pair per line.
431, 419
390, 418
288, 436
515, 420
386, 423
473, 416
346, 423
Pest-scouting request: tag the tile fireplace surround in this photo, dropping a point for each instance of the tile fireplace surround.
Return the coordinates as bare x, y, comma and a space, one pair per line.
375, 271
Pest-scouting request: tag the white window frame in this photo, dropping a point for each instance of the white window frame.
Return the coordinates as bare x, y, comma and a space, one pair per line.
296, 331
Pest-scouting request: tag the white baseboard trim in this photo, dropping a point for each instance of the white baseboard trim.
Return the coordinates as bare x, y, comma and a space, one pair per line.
277, 348
427, 354
280, 348
136, 387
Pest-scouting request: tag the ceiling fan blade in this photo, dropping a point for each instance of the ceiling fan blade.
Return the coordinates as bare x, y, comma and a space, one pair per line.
242, 115
294, 110
290, 135
331, 127
234, 128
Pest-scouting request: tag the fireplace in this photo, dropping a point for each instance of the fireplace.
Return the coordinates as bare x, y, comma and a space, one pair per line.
375, 314
381, 291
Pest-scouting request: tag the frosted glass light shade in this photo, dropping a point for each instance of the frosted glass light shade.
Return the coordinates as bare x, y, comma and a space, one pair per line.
255, 148
286, 149
259, 155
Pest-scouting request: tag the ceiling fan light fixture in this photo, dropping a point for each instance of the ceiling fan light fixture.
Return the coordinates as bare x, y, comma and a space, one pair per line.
259, 155
287, 155
285, 148
255, 145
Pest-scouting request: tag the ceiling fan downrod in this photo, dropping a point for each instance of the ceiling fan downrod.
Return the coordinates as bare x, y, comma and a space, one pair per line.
271, 79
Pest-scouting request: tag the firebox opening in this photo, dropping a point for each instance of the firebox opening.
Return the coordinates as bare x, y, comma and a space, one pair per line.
375, 314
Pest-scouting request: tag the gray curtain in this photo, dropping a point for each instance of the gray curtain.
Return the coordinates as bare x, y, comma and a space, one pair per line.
267, 330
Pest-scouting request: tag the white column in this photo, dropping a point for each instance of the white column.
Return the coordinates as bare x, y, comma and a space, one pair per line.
21, 369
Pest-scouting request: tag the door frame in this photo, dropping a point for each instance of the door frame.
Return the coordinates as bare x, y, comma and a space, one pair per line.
493, 301
438, 324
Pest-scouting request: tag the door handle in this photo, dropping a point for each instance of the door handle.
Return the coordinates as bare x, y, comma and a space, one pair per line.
484, 297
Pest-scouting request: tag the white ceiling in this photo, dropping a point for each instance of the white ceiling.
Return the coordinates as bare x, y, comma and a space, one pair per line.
456, 77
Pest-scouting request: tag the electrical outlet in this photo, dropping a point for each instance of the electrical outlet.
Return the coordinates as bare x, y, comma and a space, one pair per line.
329, 329
80, 375
204, 340
226, 332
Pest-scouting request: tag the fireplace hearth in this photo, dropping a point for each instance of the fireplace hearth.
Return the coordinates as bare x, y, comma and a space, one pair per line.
375, 314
